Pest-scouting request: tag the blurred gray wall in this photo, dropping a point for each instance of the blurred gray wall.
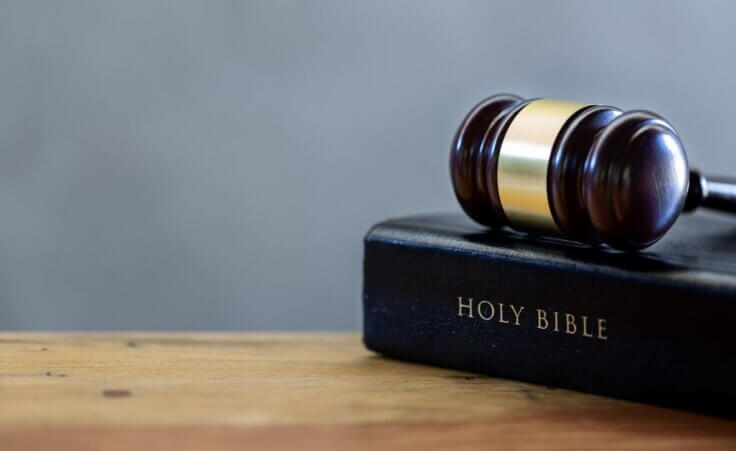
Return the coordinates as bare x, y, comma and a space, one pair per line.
214, 165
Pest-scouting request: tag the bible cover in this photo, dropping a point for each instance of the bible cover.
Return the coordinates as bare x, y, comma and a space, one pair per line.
654, 326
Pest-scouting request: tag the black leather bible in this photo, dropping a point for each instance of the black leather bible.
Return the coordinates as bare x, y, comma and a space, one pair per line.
655, 326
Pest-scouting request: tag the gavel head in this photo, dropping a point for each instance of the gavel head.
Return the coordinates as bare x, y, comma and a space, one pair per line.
589, 173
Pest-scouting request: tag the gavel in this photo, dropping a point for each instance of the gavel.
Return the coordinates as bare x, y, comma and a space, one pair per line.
590, 173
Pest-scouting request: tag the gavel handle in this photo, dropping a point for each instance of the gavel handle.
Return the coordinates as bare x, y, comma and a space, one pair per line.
718, 193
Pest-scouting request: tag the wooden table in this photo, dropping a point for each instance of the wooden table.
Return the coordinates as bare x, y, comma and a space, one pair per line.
306, 391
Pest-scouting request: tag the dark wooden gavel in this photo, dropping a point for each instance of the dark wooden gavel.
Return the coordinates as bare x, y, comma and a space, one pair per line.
590, 173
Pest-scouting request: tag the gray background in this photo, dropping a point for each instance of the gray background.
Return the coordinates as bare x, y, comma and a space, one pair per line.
214, 165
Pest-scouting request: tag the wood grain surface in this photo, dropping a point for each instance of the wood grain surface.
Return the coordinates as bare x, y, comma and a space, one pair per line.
306, 391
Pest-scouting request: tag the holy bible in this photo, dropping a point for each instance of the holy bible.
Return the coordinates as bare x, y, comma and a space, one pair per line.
655, 326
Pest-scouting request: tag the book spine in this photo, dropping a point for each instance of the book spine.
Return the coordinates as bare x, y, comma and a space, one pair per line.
526, 319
